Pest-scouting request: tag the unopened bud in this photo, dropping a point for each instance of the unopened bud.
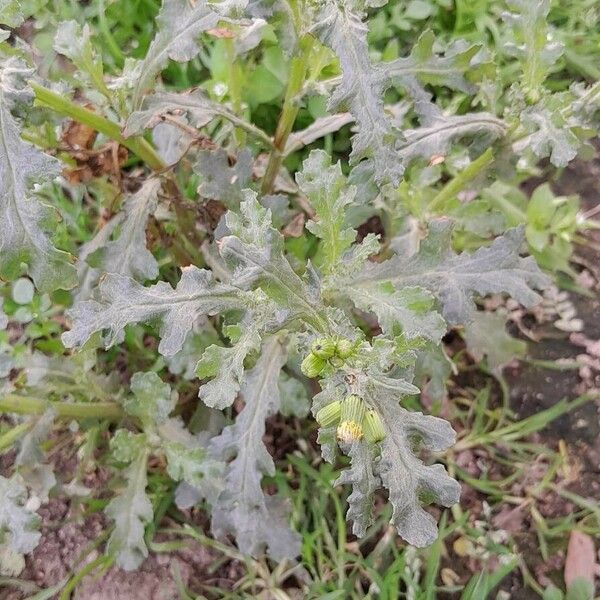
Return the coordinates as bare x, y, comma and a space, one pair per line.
323, 348
344, 348
373, 427
329, 415
353, 409
312, 365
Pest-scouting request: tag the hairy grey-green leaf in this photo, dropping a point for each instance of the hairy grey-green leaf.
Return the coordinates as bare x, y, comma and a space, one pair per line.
131, 511
74, 42
340, 27
189, 462
531, 42
30, 458
11, 13
432, 371
226, 364
550, 136
121, 300
16, 517
185, 361
180, 24
127, 254
364, 483
257, 521
171, 142
329, 195
254, 251
455, 278
200, 110
223, 182
319, 128
404, 475
226, 367
409, 310
437, 132
295, 400
457, 69
152, 400
486, 336
24, 219
88, 275
352, 262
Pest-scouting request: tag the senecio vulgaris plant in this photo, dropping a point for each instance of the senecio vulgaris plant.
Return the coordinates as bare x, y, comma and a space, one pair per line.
279, 293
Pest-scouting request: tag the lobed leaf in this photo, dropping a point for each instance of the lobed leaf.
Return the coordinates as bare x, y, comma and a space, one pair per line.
405, 476
74, 42
549, 135
223, 182
458, 68
16, 517
408, 310
325, 187
455, 278
131, 511
152, 401
226, 366
180, 23
364, 483
127, 254
120, 301
24, 218
486, 336
438, 131
256, 520
531, 42
254, 252
340, 26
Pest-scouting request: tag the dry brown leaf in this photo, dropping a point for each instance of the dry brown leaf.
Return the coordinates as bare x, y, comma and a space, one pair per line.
581, 558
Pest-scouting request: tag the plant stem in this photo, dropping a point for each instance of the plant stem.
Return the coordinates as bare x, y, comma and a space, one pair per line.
66, 107
23, 405
12, 435
288, 115
456, 184
101, 561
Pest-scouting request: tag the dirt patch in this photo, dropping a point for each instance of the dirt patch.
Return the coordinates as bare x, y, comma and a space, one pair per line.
68, 544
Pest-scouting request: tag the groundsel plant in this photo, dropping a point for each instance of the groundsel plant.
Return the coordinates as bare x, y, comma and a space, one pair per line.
279, 293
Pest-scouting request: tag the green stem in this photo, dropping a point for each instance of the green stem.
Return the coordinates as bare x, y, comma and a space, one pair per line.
12, 435
13, 403
66, 107
506, 206
101, 561
288, 115
458, 183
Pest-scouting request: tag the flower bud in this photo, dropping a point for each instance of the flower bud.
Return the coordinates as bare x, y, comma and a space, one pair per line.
353, 409
344, 348
323, 348
373, 427
312, 365
329, 415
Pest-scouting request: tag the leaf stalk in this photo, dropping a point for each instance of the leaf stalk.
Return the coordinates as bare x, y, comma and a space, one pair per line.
23, 405
66, 107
